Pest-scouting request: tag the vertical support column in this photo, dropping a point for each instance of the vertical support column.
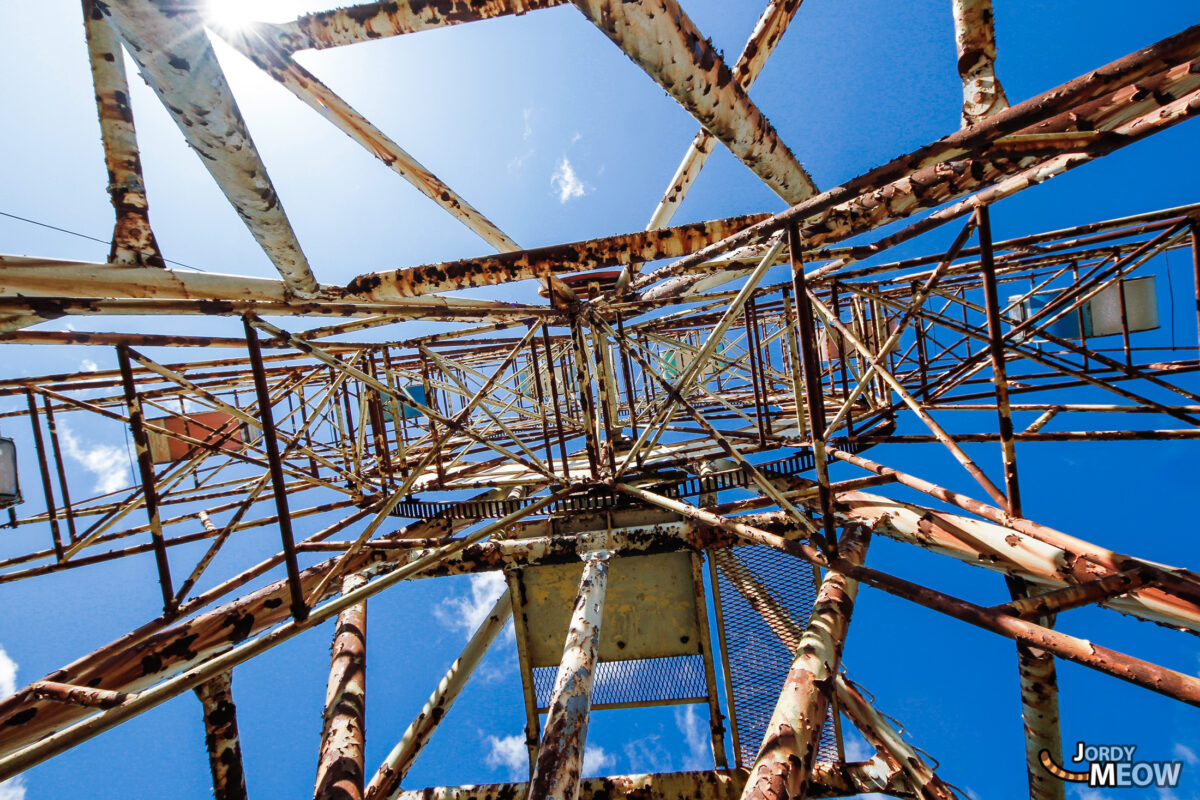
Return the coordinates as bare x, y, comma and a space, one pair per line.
1039, 684
999, 368
48, 407
47, 490
340, 765
560, 757
271, 445
975, 40
1196, 274
221, 737
806, 330
716, 722
516, 589
586, 402
627, 373
789, 749
150, 494
401, 759
552, 370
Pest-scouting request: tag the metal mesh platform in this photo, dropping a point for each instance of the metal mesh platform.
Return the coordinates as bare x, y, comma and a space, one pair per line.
622, 684
756, 659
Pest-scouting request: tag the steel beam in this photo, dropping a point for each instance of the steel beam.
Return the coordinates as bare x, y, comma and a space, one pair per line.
763, 39
343, 735
367, 22
610, 251
398, 762
171, 48
975, 41
560, 756
783, 768
133, 241
661, 39
276, 62
221, 737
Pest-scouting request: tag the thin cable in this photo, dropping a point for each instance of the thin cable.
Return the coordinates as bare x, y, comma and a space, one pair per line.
1171, 291
91, 238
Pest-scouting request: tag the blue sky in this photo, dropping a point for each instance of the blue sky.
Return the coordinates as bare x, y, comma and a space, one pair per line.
551, 132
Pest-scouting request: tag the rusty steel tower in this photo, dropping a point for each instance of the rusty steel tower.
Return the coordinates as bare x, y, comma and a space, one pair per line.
673, 449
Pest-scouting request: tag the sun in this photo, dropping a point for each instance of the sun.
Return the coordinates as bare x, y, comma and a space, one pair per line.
230, 14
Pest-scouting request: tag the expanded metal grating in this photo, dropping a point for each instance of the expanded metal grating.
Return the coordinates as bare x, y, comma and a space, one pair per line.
757, 660
618, 684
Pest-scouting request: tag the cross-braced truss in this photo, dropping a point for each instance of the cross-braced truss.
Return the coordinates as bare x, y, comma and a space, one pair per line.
666, 419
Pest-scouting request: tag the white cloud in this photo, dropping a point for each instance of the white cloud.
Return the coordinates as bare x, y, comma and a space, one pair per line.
576, 137
8, 674
1088, 794
566, 183
87, 365
508, 752
856, 747
696, 734
527, 116
13, 789
467, 613
1186, 754
648, 755
596, 760
109, 463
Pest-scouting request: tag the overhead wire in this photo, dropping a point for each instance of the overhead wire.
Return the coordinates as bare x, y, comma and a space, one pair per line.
91, 238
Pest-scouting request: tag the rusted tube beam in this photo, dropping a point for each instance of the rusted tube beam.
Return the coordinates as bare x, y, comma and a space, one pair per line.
270, 442
369, 21
1195, 231
938, 172
999, 367
77, 695
133, 241
661, 39
44, 470
141, 444
763, 39
221, 737
783, 768
975, 41
16, 760
276, 62
398, 762
829, 780
171, 48
1082, 594
721, 784
560, 756
1119, 665
343, 736
590, 254
161, 654
888, 742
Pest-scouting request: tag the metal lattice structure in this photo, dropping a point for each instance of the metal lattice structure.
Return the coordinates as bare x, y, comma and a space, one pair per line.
673, 397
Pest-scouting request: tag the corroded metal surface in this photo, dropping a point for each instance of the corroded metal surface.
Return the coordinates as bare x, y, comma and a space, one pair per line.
343, 737
783, 768
585, 436
174, 54
975, 40
630, 248
221, 737
559, 763
133, 240
368, 21
661, 39
765, 36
